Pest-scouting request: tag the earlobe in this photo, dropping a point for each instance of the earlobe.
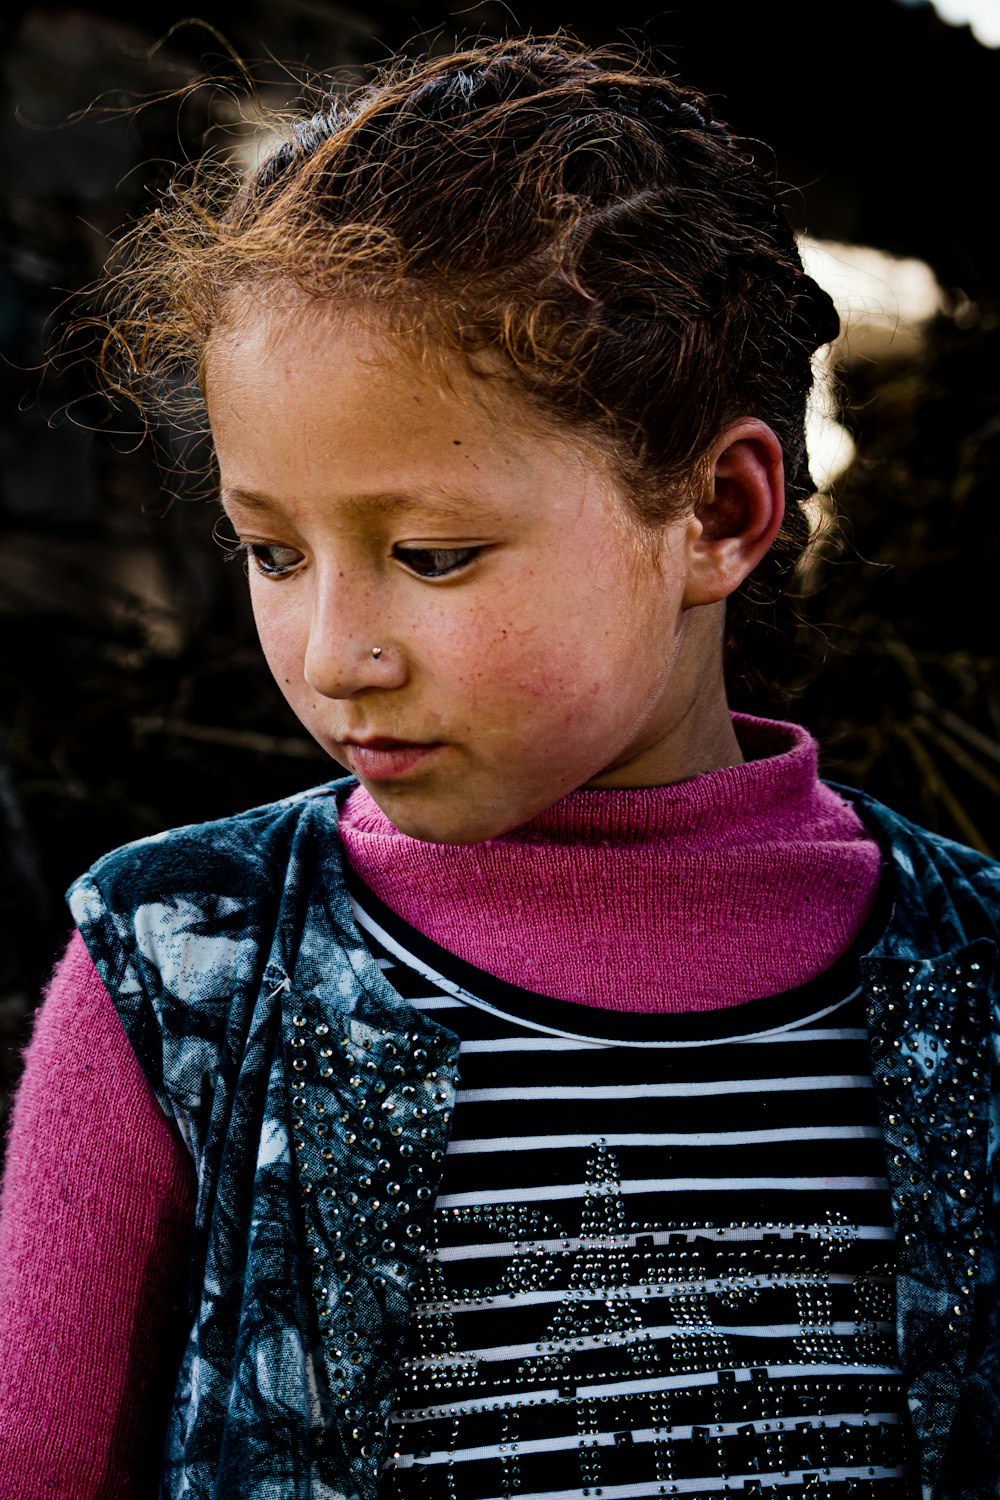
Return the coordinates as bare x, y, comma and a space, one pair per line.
741, 512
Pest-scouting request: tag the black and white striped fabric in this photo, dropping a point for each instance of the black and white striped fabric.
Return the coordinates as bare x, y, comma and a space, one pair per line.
663, 1260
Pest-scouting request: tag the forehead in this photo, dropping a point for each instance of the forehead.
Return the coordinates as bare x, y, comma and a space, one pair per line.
334, 376
304, 337
310, 405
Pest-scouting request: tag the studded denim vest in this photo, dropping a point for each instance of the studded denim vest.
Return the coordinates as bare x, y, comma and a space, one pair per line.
316, 1102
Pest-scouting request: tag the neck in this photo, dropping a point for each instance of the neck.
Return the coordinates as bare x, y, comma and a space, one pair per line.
702, 737
712, 748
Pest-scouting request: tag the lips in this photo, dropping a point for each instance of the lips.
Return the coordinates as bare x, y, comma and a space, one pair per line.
382, 759
380, 742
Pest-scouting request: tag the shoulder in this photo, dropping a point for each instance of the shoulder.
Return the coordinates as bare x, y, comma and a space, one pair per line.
202, 886
959, 887
240, 851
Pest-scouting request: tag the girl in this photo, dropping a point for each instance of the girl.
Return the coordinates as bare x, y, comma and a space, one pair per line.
579, 1098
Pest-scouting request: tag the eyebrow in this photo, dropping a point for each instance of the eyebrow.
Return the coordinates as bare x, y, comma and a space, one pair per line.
444, 502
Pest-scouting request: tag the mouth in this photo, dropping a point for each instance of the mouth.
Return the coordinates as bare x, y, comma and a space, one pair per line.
381, 759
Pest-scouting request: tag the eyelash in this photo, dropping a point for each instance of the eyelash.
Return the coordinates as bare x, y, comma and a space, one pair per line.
256, 553
466, 555
253, 553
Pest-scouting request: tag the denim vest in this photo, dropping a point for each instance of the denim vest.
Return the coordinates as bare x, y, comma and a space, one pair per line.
316, 1103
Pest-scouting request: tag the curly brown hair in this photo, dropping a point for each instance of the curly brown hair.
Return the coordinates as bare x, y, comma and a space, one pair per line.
563, 207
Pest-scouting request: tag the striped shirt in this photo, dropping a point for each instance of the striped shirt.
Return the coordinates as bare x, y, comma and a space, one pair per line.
662, 1260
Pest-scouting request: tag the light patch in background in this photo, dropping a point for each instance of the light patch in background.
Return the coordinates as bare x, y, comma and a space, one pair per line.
254, 128
255, 145
884, 304
981, 16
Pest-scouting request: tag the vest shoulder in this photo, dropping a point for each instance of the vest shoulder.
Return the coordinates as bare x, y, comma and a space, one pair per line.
970, 875
238, 856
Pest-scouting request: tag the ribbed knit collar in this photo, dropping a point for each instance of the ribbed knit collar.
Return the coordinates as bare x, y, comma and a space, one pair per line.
706, 890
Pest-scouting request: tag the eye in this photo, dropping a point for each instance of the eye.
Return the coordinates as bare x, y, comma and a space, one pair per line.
270, 560
435, 562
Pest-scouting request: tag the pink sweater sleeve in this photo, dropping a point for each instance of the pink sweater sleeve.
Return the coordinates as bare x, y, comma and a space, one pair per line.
95, 1226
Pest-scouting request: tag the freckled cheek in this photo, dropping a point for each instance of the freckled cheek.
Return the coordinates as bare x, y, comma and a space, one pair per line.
284, 641
546, 668
495, 660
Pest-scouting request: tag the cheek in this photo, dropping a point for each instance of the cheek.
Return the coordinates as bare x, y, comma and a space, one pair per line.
498, 658
281, 640
552, 669
582, 664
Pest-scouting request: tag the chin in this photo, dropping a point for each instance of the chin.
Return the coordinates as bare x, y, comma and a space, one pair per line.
441, 831
445, 825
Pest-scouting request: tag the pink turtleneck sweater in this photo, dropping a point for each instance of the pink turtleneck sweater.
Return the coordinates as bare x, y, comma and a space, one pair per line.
739, 883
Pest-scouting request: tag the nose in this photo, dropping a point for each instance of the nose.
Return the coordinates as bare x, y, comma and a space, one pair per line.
349, 650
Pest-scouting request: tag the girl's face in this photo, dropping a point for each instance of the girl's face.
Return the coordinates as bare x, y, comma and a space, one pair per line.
451, 598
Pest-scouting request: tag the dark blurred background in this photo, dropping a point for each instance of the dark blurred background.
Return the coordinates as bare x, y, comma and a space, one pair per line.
131, 692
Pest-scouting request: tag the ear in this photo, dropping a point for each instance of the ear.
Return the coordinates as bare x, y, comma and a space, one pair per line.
740, 514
